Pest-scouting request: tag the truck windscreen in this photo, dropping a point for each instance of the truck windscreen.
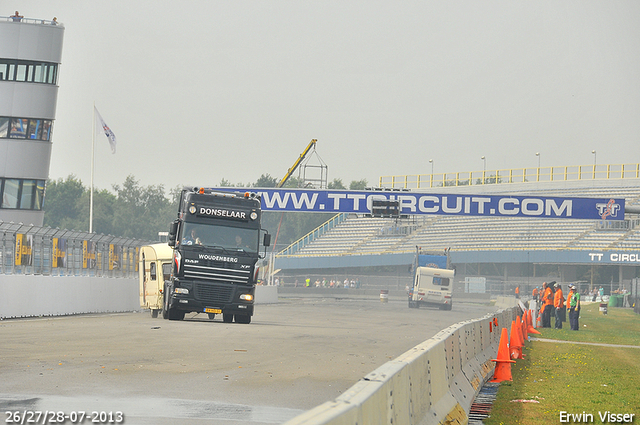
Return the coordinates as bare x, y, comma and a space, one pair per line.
229, 238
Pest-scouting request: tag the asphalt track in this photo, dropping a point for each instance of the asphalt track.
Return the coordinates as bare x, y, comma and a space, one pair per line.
294, 356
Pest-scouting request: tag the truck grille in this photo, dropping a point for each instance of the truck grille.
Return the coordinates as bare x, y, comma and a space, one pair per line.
215, 273
214, 295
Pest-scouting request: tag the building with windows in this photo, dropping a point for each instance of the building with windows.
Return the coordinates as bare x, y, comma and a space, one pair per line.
30, 55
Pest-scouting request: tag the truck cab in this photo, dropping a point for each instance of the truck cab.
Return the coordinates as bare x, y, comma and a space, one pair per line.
432, 287
216, 247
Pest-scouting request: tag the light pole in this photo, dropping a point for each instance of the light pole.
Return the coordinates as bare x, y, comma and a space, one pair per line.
538, 155
594, 162
484, 167
431, 179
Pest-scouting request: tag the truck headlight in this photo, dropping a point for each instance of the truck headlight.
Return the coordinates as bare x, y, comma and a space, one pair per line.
246, 297
184, 291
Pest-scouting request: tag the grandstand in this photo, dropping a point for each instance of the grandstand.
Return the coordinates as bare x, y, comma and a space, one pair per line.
505, 243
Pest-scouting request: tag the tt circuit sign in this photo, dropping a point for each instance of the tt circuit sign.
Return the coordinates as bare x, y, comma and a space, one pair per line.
413, 203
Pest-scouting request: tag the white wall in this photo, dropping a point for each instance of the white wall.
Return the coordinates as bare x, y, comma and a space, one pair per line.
27, 296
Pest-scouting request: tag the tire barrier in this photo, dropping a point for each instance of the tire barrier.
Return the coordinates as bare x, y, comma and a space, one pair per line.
435, 382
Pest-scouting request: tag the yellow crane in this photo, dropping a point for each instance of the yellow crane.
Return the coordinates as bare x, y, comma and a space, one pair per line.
312, 144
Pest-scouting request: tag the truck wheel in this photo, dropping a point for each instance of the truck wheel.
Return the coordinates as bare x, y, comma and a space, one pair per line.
175, 314
154, 313
227, 317
243, 318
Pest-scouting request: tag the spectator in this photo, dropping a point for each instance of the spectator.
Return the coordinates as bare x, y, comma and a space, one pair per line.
17, 17
547, 302
54, 21
574, 310
558, 303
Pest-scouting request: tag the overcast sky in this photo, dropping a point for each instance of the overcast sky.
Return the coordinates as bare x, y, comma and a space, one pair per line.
197, 91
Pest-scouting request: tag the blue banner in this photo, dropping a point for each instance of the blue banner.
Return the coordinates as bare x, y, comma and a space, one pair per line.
435, 261
415, 203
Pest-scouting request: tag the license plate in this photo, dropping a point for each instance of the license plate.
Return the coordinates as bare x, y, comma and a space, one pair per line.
212, 310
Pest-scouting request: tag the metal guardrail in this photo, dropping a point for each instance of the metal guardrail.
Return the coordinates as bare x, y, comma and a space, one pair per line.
34, 250
314, 234
515, 175
30, 21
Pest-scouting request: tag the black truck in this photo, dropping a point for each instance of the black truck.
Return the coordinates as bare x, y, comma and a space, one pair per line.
216, 248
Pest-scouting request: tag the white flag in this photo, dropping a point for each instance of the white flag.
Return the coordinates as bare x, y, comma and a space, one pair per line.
107, 132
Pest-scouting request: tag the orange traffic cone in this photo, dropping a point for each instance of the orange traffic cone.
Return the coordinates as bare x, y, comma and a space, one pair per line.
523, 329
520, 336
503, 362
531, 329
515, 346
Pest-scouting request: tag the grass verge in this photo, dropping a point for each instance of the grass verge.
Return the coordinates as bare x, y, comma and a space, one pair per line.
560, 377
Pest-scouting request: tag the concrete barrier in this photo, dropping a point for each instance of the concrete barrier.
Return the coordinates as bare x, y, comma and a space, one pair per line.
36, 295
266, 294
33, 295
433, 383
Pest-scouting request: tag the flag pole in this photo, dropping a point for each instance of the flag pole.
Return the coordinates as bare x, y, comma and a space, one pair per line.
93, 144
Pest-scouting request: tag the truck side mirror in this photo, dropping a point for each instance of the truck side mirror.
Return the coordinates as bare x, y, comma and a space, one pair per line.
267, 240
173, 231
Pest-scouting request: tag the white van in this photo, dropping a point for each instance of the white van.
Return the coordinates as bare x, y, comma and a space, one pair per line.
432, 287
154, 268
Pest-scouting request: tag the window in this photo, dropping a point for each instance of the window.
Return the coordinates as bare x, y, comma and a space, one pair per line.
442, 281
10, 193
4, 127
23, 194
28, 71
35, 129
39, 73
19, 128
26, 195
21, 75
152, 271
46, 129
166, 271
24, 128
39, 195
52, 74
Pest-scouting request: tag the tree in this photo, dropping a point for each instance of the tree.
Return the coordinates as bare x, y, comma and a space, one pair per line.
336, 184
266, 180
62, 206
358, 184
141, 212
103, 211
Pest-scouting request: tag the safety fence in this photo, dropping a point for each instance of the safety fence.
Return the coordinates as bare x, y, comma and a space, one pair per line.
515, 175
433, 383
22, 20
33, 250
